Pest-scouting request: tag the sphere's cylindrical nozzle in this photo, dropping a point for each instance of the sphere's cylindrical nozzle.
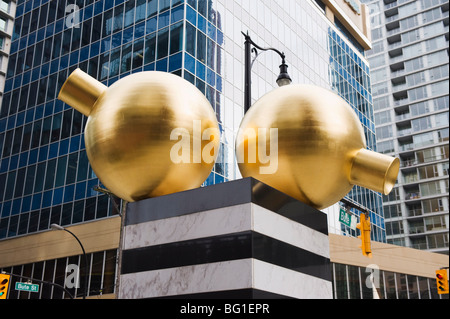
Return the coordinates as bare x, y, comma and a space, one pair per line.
81, 91
374, 171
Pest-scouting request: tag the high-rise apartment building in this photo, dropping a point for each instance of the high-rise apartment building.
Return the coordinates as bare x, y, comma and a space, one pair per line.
410, 76
45, 176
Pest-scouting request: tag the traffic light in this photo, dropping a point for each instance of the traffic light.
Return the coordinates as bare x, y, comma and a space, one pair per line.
442, 281
364, 227
4, 283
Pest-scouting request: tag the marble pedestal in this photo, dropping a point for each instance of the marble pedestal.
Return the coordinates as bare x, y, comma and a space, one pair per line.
241, 239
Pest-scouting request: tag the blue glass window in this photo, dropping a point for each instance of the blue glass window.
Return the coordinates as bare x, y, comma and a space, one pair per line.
127, 35
126, 58
6, 211
69, 193
176, 37
163, 43
203, 7
191, 15
15, 209
80, 190
164, 5
191, 35
129, 13
116, 40
118, 18
138, 54
151, 25
26, 203
189, 63
201, 70
177, 14
36, 201
211, 77
201, 47
175, 62
139, 30
163, 19
150, 48
211, 31
201, 23
58, 196
140, 10
161, 65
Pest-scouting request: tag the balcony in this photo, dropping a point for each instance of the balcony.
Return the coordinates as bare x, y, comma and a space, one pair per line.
411, 178
412, 195
401, 100
397, 66
418, 212
406, 147
416, 230
391, 13
413, 162
398, 58
419, 246
394, 45
408, 163
436, 228
404, 132
392, 18
400, 87
402, 117
390, 5
397, 73
393, 27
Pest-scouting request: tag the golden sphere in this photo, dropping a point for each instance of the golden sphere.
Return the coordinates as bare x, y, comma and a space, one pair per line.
310, 145
145, 134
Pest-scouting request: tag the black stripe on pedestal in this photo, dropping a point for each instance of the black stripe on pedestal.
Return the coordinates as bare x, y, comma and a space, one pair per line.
247, 190
227, 247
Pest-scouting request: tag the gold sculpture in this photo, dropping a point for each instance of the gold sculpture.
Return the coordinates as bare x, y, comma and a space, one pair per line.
320, 145
149, 134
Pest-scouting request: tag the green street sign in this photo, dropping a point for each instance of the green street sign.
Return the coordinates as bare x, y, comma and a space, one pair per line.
22, 286
345, 218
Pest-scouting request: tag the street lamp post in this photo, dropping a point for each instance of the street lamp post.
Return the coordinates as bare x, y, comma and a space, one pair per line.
58, 227
283, 78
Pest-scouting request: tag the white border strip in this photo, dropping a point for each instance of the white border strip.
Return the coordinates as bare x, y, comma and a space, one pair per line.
229, 275
226, 220
223, 276
288, 231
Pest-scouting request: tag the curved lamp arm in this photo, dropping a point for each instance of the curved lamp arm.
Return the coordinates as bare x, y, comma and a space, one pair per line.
281, 54
283, 78
58, 227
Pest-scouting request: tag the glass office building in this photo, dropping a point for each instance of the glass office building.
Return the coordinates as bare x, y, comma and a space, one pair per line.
45, 176
409, 62
350, 78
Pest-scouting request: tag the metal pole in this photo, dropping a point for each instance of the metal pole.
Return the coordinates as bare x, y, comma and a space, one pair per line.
248, 76
86, 263
119, 251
